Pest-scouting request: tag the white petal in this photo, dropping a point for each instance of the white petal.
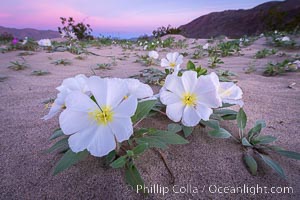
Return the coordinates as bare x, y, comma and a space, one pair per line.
116, 91
77, 101
174, 84
179, 59
55, 109
207, 92
98, 89
204, 111
122, 128
230, 90
138, 89
164, 63
189, 80
190, 116
72, 121
170, 57
126, 108
174, 111
80, 140
103, 142
167, 97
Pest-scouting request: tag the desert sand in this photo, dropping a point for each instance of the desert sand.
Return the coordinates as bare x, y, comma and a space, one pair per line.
26, 171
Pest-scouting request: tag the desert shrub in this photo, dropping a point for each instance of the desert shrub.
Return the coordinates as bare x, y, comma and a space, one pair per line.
161, 31
81, 30
280, 68
229, 48
6, 37
264, 53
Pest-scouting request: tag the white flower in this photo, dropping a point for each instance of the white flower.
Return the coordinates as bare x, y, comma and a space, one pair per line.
44, 43
173, 61
228, 91
297, 62
138, 89
96, 126
77, 83
189, 98
145, 47
285, 39
206, 46
261, 35
72, 35
153, 54
63, 34
25, 41
275, 31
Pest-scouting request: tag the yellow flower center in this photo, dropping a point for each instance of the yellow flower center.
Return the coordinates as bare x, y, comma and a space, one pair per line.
224, 93
172, 64
125, 97
102, 117
189, 99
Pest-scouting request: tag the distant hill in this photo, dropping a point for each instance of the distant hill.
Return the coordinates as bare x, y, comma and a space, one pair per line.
273, 15
30, 32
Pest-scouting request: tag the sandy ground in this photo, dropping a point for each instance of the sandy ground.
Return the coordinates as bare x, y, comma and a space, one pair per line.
26, 172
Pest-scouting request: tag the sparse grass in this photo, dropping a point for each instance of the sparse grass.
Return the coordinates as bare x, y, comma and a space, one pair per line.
214, 61
151, 76
62, 62
264, 53
18, 65
226, 76
26, 53
39, 73
103, 66
80, 57
280, 68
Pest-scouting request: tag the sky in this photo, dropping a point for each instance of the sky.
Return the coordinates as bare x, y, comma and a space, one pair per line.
123, 18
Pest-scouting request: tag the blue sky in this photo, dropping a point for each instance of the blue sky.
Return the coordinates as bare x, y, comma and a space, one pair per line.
118, 17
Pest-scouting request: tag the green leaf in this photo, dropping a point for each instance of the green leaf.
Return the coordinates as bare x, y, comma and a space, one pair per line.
229, 117
140, 148
246, 143
190, 65
241, 119
225, 112
211, 123
251, 164
111, 156
263, 139
57, 133
289, 154
133, 177
120, 162
69, 158
143, 110
259, 124
160, 139
152, 142
273, 165
59, 145
174, 128
187, 130
219, 133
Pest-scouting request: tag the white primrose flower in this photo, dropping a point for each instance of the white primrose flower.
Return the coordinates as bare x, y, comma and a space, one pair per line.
206, 46
189, 98
72, 35
25, 41
297, 62
285, 39
77, 83
97, 126
229, 92
44, 43
153, 54
138, 89
145, 47
63, 34
173, 61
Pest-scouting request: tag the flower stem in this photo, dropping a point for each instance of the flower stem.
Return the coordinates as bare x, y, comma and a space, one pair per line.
166, 165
